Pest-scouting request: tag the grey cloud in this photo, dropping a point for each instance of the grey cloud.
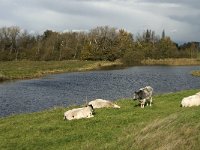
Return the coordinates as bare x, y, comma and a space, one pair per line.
70, 7
133, 15
191, 3
188, 19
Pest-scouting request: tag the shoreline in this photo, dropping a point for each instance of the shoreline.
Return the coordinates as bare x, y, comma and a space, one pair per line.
19, 70
38, 69
81, 105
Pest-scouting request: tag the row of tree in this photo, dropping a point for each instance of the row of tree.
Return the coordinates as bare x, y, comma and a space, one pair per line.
100, 43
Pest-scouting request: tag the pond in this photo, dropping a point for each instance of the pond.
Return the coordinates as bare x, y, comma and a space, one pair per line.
75, 88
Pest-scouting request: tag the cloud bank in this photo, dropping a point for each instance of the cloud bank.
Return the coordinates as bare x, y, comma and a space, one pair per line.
180, 19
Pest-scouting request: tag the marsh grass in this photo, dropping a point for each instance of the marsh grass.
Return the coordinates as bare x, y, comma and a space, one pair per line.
32, 69
172, 62
165, 125
175, 62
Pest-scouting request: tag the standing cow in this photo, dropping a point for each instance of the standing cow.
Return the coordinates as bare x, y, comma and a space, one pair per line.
144, 95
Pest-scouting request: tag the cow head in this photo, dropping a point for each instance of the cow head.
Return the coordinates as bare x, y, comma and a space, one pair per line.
137, 95
91, 108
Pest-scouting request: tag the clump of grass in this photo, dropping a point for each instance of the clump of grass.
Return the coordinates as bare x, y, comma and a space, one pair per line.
196, 73
165, 125
171, 61
3, 77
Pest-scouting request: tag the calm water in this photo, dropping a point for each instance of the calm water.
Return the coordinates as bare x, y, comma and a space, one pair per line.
73, 88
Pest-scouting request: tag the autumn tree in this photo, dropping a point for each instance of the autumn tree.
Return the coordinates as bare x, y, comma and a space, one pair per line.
8, 41
100, 44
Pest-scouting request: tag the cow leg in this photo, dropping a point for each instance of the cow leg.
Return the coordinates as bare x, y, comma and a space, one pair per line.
90, 116
142, 105
150, 101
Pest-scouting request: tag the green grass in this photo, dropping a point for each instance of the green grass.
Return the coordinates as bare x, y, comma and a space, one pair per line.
33, 69
165, 125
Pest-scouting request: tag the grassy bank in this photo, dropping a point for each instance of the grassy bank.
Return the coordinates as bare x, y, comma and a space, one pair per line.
165, 125
12, 70
32, 69
172, 62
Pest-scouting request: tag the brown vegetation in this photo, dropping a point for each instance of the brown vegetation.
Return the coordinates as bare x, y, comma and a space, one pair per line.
171, 62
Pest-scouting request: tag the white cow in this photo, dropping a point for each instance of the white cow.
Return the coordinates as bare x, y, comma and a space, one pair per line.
189, 101
144, 95
100, 103
78, 113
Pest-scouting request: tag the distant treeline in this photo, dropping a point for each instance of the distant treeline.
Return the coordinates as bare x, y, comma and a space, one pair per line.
100, 43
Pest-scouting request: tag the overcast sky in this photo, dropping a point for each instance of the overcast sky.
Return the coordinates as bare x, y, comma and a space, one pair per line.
179, 18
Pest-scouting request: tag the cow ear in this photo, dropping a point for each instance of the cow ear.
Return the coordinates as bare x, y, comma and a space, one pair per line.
141, 91
91, 106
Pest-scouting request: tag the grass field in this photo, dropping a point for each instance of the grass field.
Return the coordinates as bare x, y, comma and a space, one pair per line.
165, 125
33, 69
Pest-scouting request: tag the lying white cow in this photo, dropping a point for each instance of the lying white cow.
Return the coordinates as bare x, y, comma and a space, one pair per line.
189, 101
78, 113
100, 103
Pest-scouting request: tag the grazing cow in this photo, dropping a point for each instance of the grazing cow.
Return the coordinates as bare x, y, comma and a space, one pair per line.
190, 101
78, 113
144, 95
100, 103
